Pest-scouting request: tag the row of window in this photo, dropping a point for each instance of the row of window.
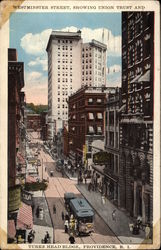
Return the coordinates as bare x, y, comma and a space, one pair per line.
65, 79
65, 61
65, 41
91, 116
65, 47
64, 54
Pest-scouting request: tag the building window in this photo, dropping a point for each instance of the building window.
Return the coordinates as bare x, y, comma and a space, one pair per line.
90, 116
131, 55
147, 45
111, 118
90, 100
111, 139
99, 116
131, 29
91, 130
139, 51
99, 130
99, 101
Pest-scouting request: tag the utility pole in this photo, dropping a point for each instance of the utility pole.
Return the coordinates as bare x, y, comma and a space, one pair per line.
42, 169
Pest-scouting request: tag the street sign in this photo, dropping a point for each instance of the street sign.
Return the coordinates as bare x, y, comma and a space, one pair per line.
101, 157
27, 197
14, 198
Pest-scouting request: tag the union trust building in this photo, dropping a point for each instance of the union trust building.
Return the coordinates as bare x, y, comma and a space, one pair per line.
136, 120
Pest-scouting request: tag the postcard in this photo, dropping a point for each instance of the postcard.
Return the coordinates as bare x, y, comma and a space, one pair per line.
80, 125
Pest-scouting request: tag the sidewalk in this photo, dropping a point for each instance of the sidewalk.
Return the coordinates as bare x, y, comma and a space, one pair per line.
41, 225
120, 226
69, 175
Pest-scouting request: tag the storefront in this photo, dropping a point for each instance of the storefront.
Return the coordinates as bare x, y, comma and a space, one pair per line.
24, 222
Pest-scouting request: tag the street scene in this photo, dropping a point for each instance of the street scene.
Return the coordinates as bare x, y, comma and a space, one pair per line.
80, 148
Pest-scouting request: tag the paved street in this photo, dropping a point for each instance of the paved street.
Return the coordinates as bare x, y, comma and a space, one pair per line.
54, 195
105, 229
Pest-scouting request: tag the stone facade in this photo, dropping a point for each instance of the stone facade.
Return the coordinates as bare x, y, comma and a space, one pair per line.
136, 121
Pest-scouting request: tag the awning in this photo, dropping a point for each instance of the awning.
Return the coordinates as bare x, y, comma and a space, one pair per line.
24, 218
91, 116
11, 229
123, 107
145, 77
99, 115
30, 179
136, 79
20, 158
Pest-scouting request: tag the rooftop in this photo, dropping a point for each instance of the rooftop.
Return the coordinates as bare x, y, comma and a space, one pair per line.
63, 34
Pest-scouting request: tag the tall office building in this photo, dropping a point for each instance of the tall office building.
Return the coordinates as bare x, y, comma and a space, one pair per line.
94, 64
64, 75
136, 121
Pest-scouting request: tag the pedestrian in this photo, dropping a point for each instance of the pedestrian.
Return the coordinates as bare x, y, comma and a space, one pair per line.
62, 215
131, 227
72, 222
114, 215
76, 225
45, 239
33, 206
71, 239
103, 199
37, 212
47, 235
67, 217
89, 187
66, 226
147, 232
54, 209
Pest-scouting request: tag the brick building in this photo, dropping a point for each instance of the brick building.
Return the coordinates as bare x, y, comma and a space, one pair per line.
136, 123
34, 122
44, 125
15, 111
86, 121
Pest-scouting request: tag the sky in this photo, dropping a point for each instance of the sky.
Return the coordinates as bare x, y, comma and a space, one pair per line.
29, 34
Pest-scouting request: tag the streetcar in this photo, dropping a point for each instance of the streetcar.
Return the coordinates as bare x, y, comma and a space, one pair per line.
67, 198
84, 215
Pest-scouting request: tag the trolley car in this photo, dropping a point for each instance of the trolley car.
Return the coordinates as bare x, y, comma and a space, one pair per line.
84, 215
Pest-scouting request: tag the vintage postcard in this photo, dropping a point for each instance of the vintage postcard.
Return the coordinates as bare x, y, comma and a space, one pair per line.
80, 125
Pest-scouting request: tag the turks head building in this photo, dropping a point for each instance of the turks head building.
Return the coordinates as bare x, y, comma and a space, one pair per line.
136, 121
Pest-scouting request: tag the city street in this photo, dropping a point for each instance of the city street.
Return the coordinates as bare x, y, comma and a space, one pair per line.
58, 185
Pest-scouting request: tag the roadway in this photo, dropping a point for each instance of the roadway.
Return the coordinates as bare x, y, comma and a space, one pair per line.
58, 185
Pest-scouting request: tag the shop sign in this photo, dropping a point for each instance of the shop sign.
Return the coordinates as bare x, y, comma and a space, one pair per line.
101, 157
14, 198
84, 152
27, 197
